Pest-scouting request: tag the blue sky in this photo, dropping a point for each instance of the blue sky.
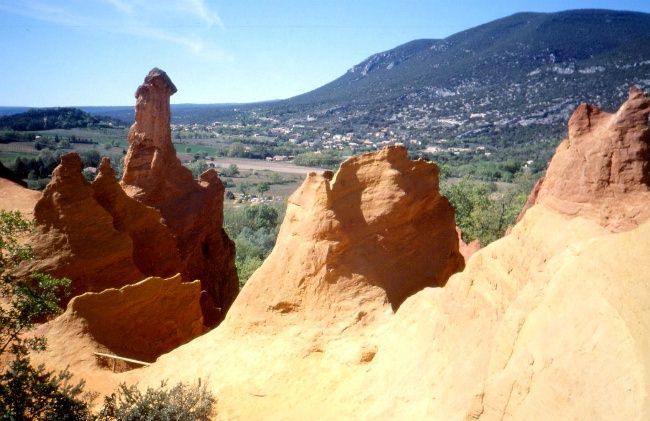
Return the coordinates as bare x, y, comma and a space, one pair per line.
96, 52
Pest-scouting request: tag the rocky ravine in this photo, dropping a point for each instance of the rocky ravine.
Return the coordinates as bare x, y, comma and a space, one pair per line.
352, 315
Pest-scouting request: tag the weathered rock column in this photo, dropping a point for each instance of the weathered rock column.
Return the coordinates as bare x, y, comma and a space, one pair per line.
154, 176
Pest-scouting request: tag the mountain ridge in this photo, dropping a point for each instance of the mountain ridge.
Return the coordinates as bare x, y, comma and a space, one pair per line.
494, 30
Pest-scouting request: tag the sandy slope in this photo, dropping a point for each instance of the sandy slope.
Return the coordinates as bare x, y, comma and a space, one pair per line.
536, 327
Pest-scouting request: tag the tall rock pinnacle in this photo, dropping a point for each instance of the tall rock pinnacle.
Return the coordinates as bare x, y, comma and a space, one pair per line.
151, 152
154, 176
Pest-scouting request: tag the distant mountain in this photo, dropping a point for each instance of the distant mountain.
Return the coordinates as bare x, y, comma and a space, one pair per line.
55, 118
180, 113
12, 110
515, 79
123, 113
501, 52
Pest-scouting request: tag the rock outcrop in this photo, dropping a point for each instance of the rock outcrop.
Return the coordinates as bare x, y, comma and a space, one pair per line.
193, 211
158, 222
602, 171
352, 243
156, 315
75, 236
550, 322
154, 247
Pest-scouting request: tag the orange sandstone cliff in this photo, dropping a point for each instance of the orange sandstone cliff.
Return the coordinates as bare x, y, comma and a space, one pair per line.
139, 321
158, 221
155, 177
355, 242
602, 170
75, 236
354, 315
154, 247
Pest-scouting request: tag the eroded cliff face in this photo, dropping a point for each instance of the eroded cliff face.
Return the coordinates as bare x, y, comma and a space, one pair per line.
354, 315
139, 321
158, 222
193, 211
154, 246
75, 236
353, 243
602, 171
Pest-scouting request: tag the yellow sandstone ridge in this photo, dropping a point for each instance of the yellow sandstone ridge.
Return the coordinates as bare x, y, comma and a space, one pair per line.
140, 321
354, 314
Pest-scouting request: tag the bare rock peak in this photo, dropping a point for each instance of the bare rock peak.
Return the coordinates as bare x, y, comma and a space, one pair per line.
105, 169
361, 240
154, 176
158, 80
601, 171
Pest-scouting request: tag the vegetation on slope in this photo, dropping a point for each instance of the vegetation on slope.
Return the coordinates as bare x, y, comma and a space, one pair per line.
55, 118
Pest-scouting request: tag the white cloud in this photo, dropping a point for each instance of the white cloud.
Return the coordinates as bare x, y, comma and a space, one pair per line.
160, 20
44, 12
121, 5
202, 11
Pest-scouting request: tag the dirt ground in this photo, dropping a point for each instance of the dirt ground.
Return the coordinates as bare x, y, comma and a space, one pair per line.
257, 164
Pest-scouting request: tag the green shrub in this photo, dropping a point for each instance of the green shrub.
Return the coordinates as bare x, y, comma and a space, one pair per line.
197, 168
28, 392
481, 212
180, 403
254, 230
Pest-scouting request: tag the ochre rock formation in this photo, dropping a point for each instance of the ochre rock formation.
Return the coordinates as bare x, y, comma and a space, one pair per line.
193, 211
351, 243
156, 315
549, 322
16, 197
158, 222
75, 236
601, 170
154, 246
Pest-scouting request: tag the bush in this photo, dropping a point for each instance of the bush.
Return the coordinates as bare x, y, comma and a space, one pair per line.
231, 171
32, 393
28, 392
197, 168
263, 187
482, 213
254, 230
180, 403
246, 268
